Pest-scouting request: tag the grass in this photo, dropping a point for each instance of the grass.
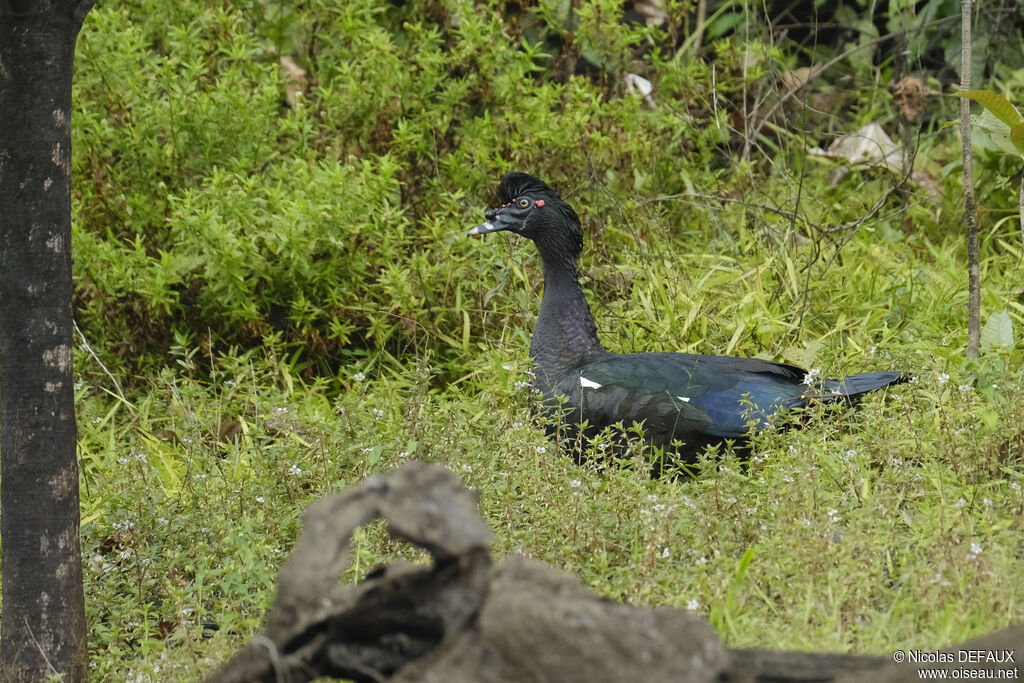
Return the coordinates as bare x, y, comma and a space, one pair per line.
285, 291
893, 525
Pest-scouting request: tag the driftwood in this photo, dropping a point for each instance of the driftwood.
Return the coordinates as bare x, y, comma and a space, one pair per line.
463, 620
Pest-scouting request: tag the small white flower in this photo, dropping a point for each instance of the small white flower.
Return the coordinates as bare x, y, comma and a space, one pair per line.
541, 450
294, 470
975, 551
943, 378
1015, 486
964, 387
995, 386
986, 501
124, 554
960, 503
140, 456
259, 499
806, 522
199, 477
377, 414
575, 483
693, 604
833, 515
163, 520
359, 377
122, 460
702, 560
521, 384
78, 386
403, 454
281, 411
852, 453
874, 347
787, 478
517, 425
811, 374
467, 468
664, 552
97, 420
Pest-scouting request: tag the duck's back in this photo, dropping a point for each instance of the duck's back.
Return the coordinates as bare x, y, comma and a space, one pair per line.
676, 396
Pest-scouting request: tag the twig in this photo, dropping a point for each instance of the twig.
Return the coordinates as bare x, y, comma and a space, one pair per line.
817, 71
1020, 208
117, 385
702, 15
970, 208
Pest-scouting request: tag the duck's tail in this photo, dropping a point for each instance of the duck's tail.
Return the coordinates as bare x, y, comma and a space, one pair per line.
855, 385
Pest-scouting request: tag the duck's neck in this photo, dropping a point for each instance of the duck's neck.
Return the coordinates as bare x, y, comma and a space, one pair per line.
566, 334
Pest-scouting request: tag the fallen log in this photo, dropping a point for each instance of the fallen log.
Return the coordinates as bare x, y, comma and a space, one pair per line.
464, 619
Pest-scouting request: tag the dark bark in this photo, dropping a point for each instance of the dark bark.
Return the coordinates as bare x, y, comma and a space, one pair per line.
43, 629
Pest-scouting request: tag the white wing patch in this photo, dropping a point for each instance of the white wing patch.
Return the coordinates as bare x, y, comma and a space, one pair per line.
587, 384
684, 399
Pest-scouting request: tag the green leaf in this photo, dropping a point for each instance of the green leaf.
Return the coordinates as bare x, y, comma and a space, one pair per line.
997, 131
998, 331
1017, 136
743, 565
995, 103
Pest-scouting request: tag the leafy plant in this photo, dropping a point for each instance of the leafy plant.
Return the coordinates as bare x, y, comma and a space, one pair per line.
288, 295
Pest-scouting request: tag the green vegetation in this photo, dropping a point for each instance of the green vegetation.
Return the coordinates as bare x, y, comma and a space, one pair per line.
285, 292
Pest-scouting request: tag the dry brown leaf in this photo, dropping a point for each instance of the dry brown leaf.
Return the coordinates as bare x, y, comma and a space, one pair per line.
910, 96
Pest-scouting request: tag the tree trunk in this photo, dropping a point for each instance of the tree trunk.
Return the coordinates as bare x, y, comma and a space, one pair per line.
970, 212
43, 629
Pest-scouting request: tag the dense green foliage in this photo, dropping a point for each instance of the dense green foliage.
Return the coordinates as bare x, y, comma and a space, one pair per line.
286, 293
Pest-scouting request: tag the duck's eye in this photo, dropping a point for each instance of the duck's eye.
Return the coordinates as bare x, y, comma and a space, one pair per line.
523, 203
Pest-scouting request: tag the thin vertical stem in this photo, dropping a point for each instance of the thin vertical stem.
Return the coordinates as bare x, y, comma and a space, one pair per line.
970, 211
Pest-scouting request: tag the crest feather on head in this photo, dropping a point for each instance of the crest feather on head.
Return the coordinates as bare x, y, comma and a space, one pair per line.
516, 183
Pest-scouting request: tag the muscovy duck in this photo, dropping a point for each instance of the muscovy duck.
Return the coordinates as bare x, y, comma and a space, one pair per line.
690, 398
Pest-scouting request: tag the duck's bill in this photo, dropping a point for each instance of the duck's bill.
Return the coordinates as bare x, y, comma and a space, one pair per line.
485, 228
497, 219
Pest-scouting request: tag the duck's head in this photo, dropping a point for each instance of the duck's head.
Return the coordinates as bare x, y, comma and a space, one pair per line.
532, 209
